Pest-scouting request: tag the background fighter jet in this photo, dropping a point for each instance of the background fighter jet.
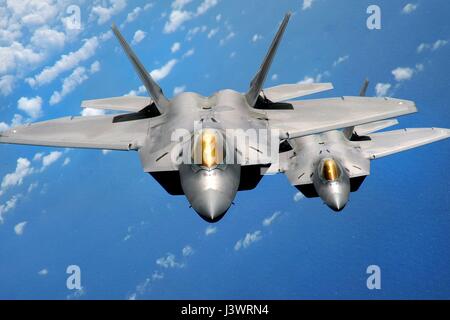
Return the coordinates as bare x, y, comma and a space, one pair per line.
324, 145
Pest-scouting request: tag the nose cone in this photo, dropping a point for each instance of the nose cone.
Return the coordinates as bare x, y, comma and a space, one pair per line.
211, 205
337, 201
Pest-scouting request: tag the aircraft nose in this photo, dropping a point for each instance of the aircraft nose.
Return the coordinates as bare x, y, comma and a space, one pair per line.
211, 205
337, 201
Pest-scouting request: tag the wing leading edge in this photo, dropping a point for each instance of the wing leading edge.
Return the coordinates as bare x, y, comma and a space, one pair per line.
386, 143
97, 132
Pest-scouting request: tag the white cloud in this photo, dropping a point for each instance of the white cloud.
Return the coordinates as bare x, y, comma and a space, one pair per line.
169, 261
178, 16
164, 71
105, 152
256, 37
410, 7
89, 112
180, 4
23, 169
402, 74
65, 63
340, 60
229, 36
187, 251
131, 16
175, 47
218, 17
210, 230
76, 78
16, 57
298, 196
6, 84
306, 80
176, 19
382, 89
205, 6
248, 240
66, 161
48, 39
157, 275
274, 77
178, 90
3, 126
438, 44
432, 46
50, 159
212, 33
20, 228
32, 186
43, 272
139, 35
307, 4
8, 206
31, 106
103, 14
269, 220
189, 53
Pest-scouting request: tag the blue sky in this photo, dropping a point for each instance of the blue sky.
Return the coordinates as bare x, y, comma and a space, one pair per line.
132, 240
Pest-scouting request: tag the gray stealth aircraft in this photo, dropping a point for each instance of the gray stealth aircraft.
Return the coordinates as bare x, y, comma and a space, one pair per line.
324, 146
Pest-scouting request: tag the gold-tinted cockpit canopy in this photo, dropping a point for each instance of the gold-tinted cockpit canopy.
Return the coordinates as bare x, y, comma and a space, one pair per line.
208, 151
330, 170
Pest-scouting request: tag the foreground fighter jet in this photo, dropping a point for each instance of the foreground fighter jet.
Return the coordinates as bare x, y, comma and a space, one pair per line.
208, 148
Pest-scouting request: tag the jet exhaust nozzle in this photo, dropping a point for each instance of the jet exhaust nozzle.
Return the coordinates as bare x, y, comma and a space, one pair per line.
332, 184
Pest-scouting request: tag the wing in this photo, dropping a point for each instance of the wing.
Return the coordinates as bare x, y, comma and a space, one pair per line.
386, 143
125, 103
291, 91
320, 115
97, 132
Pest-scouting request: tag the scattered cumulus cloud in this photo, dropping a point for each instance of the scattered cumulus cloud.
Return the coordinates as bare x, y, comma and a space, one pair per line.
340, 60
164, 71
307, 4
402, 74
50, 159
298, 196
178, 90
269, 220
210, 230
19, 228
31, 106
175, 47
382, 89
274, 77
431, 46
139, 35
8, 206
248, 240
408, 8
169, 261
90, 112
76, 78
43, 272
65, 63
178, 16
103, 14
256, 37
187, 251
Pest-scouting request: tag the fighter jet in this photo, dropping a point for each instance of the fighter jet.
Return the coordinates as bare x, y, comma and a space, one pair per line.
209, 148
